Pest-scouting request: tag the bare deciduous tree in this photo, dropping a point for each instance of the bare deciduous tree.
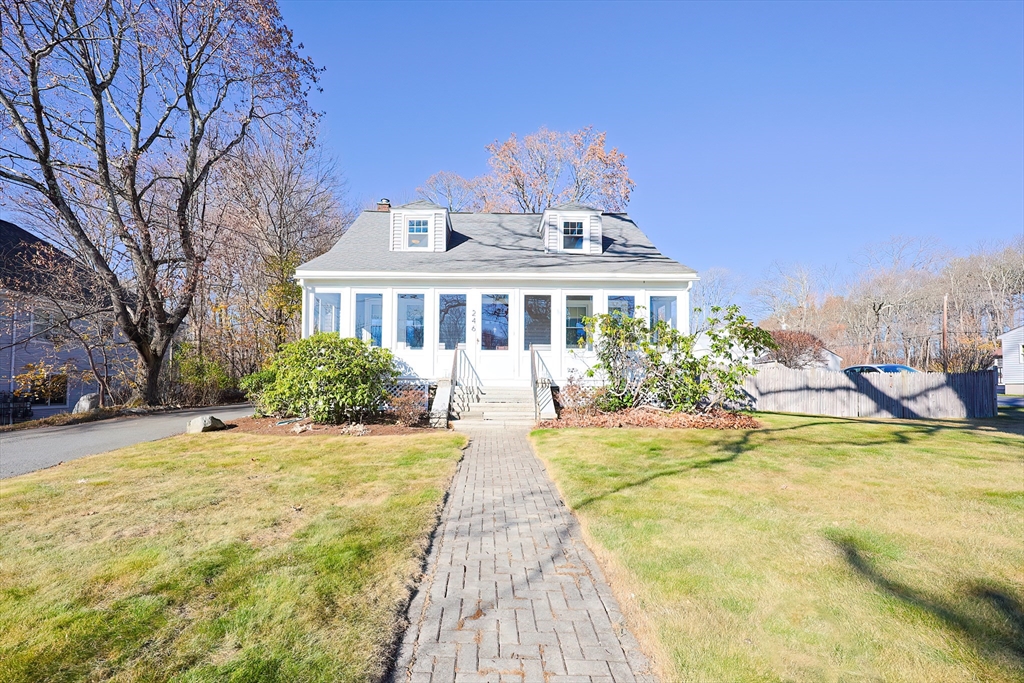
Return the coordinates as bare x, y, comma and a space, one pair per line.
451, 190
716, 287
543, 169
119, 113
283, 204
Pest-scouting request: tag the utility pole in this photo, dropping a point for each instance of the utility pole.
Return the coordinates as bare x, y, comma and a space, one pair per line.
945, 320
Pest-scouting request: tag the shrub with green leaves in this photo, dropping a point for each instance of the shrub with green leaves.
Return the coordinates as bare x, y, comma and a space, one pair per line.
327, 378
660, 366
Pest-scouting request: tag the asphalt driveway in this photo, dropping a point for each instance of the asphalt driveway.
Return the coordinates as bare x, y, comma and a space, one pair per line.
33, 449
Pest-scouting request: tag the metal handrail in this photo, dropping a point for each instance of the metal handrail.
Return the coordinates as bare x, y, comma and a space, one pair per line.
533, 381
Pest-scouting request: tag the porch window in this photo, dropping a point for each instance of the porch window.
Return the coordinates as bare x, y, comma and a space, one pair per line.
576, 309
536, 320
419, 233
621, 305
410, 320
663, 308
451, 321
325, 312
572, 235
494, 322
369, 314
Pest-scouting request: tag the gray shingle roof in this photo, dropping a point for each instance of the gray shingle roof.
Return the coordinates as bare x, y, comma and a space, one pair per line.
419, 204
493, 243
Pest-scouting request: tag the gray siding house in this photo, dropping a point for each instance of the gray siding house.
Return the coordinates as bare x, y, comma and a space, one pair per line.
423, 282
28, 334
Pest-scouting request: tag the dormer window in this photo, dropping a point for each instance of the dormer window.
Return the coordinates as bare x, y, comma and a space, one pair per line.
419, 233
572, 235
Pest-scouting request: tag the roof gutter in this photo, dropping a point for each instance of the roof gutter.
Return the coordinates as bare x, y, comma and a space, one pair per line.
575, 277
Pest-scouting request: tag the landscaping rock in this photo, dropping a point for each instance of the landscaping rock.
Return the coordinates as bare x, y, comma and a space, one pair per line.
204, 423
87, 404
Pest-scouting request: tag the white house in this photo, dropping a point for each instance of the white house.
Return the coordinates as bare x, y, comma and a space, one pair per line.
423, 282
1013, 360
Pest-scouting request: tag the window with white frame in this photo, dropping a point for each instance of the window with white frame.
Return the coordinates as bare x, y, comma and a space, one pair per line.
419, 233
572, 235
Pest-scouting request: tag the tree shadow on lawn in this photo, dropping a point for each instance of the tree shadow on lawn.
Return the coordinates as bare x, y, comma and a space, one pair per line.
993, 619
905, 432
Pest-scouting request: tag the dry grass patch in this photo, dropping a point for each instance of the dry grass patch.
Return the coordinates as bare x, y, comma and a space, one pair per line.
217, 557
814, 549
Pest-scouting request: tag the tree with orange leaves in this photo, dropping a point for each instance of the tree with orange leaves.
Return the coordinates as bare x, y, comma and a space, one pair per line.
539, 170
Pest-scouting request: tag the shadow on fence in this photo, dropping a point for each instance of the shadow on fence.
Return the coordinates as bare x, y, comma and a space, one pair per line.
879, 395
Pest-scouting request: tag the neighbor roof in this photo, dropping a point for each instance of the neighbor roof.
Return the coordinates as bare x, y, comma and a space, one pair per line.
18, 268
493, 243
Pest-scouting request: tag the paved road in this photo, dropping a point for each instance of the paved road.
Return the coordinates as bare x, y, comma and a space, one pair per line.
33, 449
512, 593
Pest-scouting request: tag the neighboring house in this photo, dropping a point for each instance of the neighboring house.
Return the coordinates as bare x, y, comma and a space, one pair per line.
423, 281
1013, 360
27, 326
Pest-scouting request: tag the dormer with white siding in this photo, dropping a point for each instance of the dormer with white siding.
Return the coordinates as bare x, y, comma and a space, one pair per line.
572, 229
420, 226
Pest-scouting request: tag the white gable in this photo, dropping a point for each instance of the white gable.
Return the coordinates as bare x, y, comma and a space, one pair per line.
420, 226
572, 228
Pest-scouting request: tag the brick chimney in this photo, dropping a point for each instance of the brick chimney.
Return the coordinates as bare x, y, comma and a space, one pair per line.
384, 205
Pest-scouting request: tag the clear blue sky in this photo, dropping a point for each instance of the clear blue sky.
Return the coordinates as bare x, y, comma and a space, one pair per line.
754, 131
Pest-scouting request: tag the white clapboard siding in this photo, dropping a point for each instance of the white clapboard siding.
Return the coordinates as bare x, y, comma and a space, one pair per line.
553, 233
595, 235
397, 231
817, 391
440, 226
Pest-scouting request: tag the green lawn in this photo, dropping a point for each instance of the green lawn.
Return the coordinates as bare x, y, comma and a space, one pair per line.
815, 549
217, 557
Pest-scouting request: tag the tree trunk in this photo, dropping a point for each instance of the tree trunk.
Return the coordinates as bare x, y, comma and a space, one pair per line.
153, 365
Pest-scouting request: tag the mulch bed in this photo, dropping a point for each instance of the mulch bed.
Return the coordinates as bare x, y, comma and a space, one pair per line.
657, 419
305, 427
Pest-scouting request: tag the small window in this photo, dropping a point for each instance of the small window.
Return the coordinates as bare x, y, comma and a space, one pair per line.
536, 321
369, 314
410, 320
325, 312
621, 305
451, 321
576, 309
572, 235
419, 233
494, 322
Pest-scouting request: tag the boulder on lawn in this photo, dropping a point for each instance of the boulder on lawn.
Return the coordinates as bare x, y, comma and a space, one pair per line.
204, 423
87, 404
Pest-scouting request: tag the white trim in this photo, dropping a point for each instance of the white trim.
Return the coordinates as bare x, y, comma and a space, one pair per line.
429, 234
547, 276
584, 224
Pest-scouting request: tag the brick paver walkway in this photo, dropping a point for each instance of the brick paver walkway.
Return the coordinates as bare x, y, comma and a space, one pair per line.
512, 593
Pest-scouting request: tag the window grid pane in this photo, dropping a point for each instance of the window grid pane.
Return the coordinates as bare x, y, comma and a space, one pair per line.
326, 312
663, 308
369, 315
576, 309
494, 322
410, 320
572, 235
536, 321
622, 305
418, 229
452, 321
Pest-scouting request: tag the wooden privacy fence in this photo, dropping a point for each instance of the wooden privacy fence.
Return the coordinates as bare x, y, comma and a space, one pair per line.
902, 395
